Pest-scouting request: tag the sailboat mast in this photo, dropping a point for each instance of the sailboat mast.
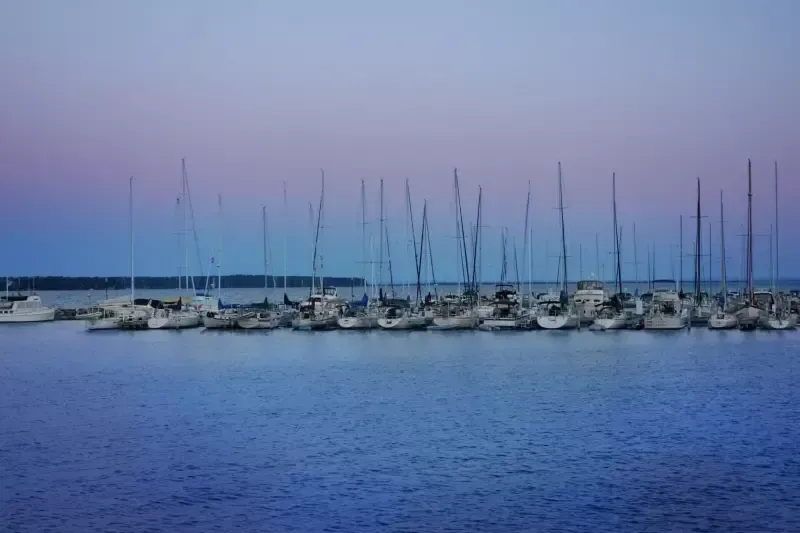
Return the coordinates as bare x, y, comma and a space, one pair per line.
475, 245
184, 186
130, 208
421, 247
264, 231
597, 254
698, 251
616, 233
380, 240
525, 249
219, 251
285, 217
417, 256
749, 232
722, 273
635, 257
563, 229
680, 282
777, 246
462, 236
364, 236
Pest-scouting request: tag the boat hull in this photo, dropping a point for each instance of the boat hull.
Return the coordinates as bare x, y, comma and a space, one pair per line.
749, 317
100, 324
558, 321
722, 321
44, 314
665, 323
211, 322
358, 322
775, 323
498, 324
257, 323
181, 321
314, 324
405, 322
617, 322
455, 322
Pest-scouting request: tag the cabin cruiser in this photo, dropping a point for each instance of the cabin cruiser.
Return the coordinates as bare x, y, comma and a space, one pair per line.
321, 311
504, 312
587, 298
667, 311
14, 309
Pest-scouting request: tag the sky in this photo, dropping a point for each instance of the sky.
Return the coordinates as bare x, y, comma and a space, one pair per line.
255, 94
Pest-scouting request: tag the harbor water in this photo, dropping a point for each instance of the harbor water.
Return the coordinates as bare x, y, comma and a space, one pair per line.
432, 431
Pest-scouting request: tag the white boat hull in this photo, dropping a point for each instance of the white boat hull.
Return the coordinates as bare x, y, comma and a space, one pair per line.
314, 324
722, 321
45, 314
665, 322
617, 322
175, 321
570, 321
776, 323
494, 324
99, 324
404, 322
358, 322
258, 323
211, 322
455, 322
749, 317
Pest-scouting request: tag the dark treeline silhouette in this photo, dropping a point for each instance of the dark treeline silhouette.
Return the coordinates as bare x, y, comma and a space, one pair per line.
236, 281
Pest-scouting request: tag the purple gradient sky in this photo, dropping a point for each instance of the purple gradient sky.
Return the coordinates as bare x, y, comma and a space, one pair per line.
253, 93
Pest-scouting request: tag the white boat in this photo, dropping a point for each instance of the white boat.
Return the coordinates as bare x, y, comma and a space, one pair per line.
358, 321
259, 321
108, 320
779, 322
174, 319
220, 319
16, 309
609, 318
396, 319
314, 321
666, 311
504, 312
455, 317
587, 298
321, 311
555, 315
722, 320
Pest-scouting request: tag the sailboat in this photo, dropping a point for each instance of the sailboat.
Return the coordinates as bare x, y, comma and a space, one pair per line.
560, 315
610, 313
179, 316
780, 316
221, 317
749, 315
361, 316
404, 316
722, 319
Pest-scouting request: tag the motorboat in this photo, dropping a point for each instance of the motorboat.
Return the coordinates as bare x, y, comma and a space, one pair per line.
259, 320
722, 320
17, 309
588, 297
667, 311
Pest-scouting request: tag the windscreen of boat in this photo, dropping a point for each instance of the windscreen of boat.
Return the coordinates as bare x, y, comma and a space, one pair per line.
590, 285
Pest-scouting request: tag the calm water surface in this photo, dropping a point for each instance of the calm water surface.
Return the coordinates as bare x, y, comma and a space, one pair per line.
429, 431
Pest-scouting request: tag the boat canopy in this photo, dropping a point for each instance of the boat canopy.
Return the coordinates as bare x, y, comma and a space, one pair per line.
591, 285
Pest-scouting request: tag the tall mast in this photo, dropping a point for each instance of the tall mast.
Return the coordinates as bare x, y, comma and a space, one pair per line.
462, 236
475, 245
680, 283
364, 236
635, 257
710, 257
771, 266
219, 251
525, 249
285, 217
184, 185
777, 246
616, 234
264, 231
313, 248
130, 207
421, 248
380, 239
563, 229
722, 274
749, 280
698, 273
316, 235
597, 254
417, 257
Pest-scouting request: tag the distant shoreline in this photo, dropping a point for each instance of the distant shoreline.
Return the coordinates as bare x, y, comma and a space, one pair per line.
254, 281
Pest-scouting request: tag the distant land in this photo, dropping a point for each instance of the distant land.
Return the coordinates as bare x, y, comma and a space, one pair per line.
256, 281
235, 281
